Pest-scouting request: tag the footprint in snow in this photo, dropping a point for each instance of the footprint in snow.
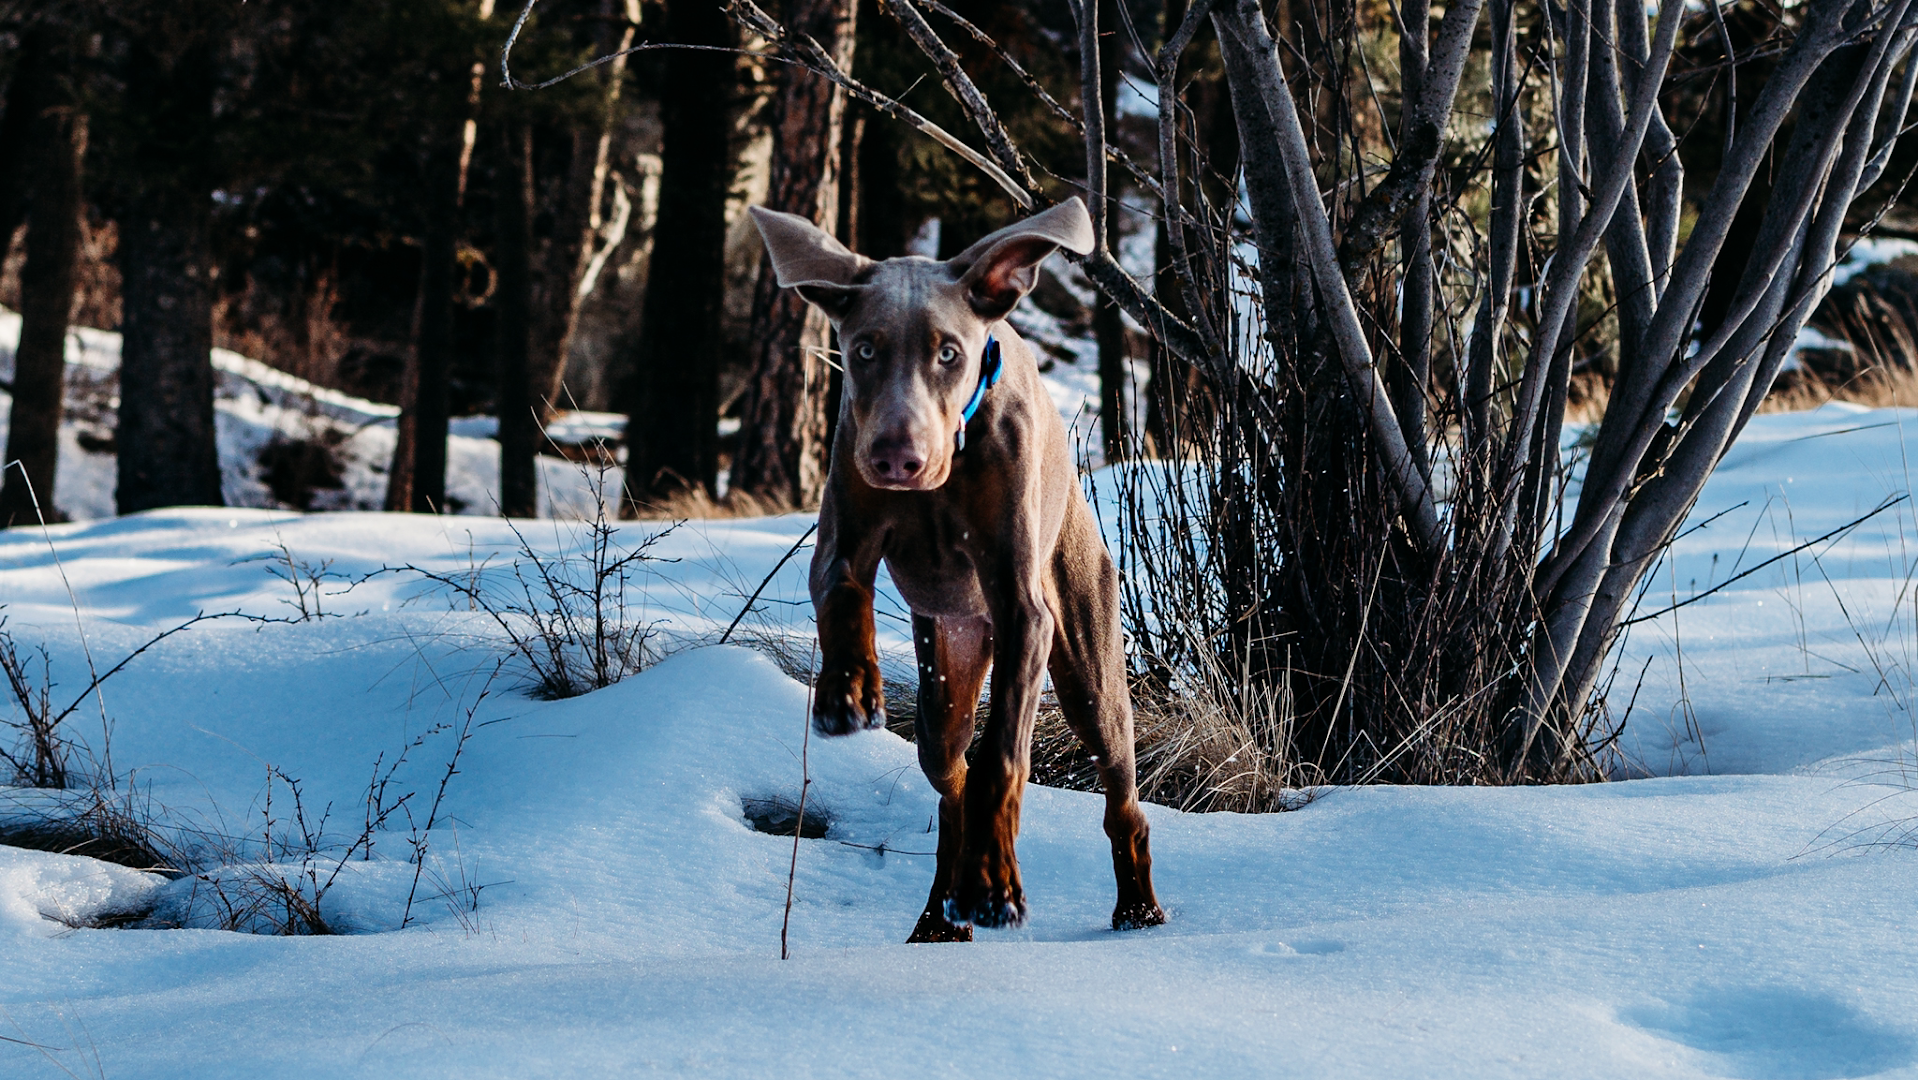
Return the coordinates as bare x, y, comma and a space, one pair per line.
1280, 949
1777, 1033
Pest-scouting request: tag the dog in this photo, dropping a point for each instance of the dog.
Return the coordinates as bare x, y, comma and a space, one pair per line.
951, 464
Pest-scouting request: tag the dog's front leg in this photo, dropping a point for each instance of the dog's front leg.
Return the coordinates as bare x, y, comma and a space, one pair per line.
848, 696
986, 889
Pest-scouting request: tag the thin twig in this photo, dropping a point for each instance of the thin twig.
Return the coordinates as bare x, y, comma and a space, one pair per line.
799, 822
754, 598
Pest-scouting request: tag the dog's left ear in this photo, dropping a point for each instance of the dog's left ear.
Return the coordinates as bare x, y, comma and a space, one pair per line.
808, 259
998, 271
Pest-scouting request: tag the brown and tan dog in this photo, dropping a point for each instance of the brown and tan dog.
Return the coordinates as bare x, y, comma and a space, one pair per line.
980, 520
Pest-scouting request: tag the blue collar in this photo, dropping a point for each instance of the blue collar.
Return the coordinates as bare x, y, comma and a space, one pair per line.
990, 368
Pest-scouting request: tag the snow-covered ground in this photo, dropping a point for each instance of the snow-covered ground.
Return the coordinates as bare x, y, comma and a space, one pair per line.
1739, 920
593, 900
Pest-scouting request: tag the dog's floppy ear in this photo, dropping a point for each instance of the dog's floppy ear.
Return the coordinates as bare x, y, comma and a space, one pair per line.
1001, 269
808, 259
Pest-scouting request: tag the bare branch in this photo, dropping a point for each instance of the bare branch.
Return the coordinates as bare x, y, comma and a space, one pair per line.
1420, 140
961, 87
1255, 61
809, 54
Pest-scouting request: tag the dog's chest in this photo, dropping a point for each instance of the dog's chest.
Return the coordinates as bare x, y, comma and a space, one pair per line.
932, 562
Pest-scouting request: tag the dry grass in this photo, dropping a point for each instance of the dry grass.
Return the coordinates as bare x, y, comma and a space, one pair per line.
1872, 323
694, 504
1205, 745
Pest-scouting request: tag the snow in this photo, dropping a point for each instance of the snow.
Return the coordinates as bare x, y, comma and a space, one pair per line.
1738, 909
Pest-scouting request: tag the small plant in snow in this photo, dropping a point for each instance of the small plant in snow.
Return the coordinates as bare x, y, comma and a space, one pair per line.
44, 755
308, 579
278, 882
571, 618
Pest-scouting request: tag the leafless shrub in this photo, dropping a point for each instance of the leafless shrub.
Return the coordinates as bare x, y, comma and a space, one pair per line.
44, 755
1377, 344
307, 579
572, 618
276, 881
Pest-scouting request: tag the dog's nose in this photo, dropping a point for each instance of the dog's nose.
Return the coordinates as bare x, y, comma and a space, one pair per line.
896, 459
897, 464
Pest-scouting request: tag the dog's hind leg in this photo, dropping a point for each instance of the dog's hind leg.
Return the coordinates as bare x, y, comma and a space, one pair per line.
1089, 678
954, 655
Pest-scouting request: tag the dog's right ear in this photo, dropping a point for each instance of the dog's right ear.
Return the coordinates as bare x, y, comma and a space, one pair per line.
808, 259
998, 271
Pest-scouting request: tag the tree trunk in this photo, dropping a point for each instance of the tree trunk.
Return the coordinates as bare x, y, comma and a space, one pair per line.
782, 431
168, 453
417, 478
56, 148
1178, 397
560, 264
15, 134
1108, 325
671, 435
519, 426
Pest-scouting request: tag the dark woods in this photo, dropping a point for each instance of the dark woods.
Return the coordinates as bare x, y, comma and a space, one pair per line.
1400, 255
348, 192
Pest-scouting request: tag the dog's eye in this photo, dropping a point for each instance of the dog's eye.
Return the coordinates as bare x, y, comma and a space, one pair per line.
948, 355
863, 350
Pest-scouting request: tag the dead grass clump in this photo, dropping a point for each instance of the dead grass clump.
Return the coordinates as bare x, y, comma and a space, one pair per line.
101, 822
1869, 355
692, 502
294, 469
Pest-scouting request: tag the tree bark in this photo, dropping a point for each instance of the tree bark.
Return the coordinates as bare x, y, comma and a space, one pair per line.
15, 137
417, 478
782, 433
55, 150
670, 437
519, 424
168, 453
560, 262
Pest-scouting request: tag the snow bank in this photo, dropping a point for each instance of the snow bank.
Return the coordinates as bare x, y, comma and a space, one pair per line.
1744, 916
43, 894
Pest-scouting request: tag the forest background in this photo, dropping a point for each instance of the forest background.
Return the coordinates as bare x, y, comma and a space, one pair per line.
365, 196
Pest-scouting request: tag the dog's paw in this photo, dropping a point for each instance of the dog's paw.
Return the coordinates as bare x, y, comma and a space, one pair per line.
1137, 916
934, 927
988, 906
848, 698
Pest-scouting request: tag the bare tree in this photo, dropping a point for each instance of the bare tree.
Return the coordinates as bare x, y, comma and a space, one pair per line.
671, 436
782, 433
168, 455
519, 429
416, 480
1382, 534
575, 200
56, 144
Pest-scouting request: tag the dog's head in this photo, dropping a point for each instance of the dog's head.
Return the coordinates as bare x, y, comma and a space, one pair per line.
912, 331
